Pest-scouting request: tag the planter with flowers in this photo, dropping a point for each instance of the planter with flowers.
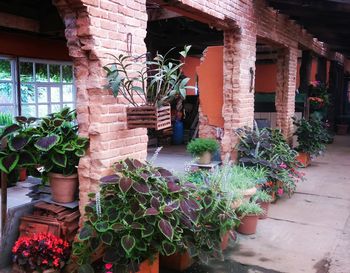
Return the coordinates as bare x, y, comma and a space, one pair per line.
150, 90
40, 253
203, 148
319, 99
249, 213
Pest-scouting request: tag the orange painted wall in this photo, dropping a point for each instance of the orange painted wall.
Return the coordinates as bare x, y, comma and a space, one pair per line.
210, 74
32, 46
265, 78
313, 69
189, 69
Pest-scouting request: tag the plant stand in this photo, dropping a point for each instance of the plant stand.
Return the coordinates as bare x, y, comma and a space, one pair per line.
147, 116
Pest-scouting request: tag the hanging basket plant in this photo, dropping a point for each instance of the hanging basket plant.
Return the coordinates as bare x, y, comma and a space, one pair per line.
148, 87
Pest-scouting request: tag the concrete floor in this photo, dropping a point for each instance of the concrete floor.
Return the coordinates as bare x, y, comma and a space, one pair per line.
309, 232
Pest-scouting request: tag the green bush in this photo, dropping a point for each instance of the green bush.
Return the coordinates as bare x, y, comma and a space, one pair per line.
199, 146
249, 208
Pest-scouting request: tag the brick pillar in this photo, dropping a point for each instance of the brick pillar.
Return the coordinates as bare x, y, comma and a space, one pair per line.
93, 29
238, 107
285, 91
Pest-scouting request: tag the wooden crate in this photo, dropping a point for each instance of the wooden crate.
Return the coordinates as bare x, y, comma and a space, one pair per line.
149, 117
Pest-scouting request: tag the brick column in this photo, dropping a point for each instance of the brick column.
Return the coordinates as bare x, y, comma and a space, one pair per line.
238, 107
285, 92
93, 29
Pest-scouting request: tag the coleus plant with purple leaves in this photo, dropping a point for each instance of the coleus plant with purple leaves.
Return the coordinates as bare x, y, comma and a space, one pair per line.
52, 142
141, 210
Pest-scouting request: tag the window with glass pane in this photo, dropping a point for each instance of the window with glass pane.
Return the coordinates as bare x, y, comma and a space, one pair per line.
46, 87
7, 86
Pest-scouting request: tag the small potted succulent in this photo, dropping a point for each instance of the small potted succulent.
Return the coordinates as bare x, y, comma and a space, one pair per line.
203, 148
312, 136
263, 199
40, 253
249, 213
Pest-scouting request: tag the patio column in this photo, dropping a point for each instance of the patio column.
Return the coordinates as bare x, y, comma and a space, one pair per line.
285, 92
239, 70
93, 30
321, 69
305, 71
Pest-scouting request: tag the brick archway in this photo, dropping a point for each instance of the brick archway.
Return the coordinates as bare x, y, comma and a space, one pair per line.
93, 29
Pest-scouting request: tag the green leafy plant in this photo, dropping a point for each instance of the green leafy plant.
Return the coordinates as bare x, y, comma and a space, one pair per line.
198, 146
19, 150
262, 196
312, 136
6, 119
155, 82
249, 208
141, 210
267, 149
58, 145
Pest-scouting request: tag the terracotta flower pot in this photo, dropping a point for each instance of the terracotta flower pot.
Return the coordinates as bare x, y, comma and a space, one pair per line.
22, 174
149, 265
63, 188
248, 224
224, 241
304, 159
178, 261
205, 158
265, 206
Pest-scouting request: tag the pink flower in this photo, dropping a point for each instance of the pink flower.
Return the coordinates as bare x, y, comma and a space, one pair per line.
283, 166
108, 266
280, 192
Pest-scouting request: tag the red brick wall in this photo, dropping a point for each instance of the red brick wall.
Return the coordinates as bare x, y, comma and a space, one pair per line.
93, 29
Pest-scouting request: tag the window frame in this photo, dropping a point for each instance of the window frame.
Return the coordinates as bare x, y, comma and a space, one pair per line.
18, 104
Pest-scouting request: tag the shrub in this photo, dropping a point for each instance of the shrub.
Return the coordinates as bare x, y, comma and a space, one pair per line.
199, 146
249, 208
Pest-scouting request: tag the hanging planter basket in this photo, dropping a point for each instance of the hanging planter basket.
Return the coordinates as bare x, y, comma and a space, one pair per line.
147, 116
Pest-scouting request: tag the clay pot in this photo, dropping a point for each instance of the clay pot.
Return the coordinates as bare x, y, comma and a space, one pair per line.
205, 158
304, 159
63, 188
248, 193
265, 206
149, 265
224, 241
342, 129
22, 174
248, 224
177, 262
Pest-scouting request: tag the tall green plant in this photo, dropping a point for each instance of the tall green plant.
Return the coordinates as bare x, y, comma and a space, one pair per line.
154, 82
312, 136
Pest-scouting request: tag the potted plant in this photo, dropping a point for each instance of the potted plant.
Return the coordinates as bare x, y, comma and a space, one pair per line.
139, 211
40, 253
203, 148
312, 136
18, 152
263, 199
249, 213
150, 89
59, 148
